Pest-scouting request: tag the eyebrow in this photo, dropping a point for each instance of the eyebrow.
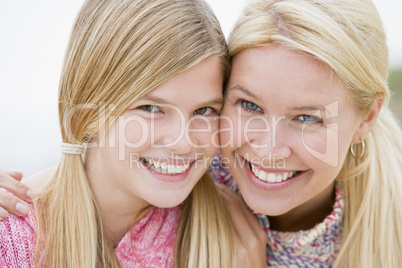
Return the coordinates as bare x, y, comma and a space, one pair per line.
154, 99
218, 101
313, 108
212, 103
309, 108
245, 91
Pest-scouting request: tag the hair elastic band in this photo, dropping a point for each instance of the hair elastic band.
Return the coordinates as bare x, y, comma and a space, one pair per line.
68, 148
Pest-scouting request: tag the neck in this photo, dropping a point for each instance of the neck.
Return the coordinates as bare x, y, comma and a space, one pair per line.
119, 210
115, 229
307, 215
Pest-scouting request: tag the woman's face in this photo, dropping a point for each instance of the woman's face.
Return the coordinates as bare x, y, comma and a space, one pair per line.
164, 142
286, 128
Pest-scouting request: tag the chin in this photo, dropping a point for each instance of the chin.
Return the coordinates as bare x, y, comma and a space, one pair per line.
270, 211
169, 200
264, 205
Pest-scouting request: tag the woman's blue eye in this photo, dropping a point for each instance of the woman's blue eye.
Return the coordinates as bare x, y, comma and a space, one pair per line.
150, 108
203, 111
309, 119
250, 106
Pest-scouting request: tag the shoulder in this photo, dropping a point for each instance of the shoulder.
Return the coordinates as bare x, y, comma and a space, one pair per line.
17, 240
158, 227
38, 180
220, 172
152, 240
165, 220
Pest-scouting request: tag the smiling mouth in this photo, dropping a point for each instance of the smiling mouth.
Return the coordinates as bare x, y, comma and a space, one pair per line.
164, 168
272, 177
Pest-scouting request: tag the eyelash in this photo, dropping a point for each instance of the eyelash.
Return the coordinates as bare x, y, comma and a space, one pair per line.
212, 111
316, 120
144, 108
242, 103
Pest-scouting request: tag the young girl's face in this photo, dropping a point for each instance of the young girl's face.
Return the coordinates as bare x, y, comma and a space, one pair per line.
165, 141
286, 127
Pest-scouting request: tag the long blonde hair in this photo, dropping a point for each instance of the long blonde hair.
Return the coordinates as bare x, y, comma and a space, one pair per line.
119, 51
347, 36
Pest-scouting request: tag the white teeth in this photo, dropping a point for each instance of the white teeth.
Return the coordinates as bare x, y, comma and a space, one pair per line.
279, 178
255, 170
270, 176
262, 175
171, 169
165, 168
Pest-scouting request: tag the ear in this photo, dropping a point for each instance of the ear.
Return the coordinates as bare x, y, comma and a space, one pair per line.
370, 119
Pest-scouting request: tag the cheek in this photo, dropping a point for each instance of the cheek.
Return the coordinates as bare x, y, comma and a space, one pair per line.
320, 143
256, 131
313, 140
130, 134
134, 132
231, 129
326, 147
346, 133
204, 133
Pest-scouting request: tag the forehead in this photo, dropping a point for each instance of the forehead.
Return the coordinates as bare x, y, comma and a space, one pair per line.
281, 73
205, 79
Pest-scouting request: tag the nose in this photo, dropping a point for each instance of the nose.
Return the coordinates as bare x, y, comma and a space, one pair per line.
176, 138
272, 140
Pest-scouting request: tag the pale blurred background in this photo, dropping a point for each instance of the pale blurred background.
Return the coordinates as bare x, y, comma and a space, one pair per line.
33, 39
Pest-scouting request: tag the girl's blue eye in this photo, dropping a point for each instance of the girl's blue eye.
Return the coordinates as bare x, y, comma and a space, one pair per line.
204, 111
309, 119
251, 106
150, 108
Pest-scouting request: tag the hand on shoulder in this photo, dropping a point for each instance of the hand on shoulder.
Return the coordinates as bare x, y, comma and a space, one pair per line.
250, 238
17, 192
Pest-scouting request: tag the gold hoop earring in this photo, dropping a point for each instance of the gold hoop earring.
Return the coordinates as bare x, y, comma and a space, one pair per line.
352, 149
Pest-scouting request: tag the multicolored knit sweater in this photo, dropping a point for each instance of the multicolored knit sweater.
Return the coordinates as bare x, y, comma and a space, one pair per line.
150, 243
317, 247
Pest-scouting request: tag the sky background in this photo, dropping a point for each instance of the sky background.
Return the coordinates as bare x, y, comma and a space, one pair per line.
34, 37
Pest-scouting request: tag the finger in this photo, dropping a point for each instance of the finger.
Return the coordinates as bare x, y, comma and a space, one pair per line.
3, 214
245, 208
252, 220
223, 188
234, 206
234, 198
250, 239
238, 208
12, 204
15, 174
14, 186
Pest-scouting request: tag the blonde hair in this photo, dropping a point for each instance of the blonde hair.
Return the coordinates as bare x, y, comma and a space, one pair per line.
118, 52
347, 36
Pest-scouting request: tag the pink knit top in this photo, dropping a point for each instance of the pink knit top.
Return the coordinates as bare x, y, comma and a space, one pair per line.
150, 243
